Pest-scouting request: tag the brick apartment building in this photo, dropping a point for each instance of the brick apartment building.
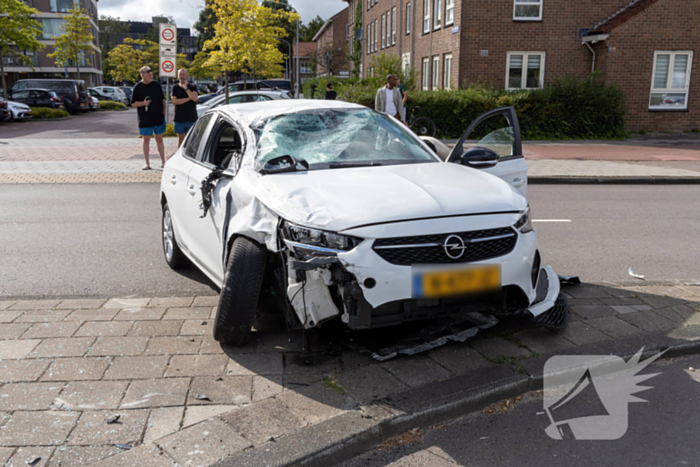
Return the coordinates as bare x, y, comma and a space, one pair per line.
306, 51
644, 46
51, 16
333, 38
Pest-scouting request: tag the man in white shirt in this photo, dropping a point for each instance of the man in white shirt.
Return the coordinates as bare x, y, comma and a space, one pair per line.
388, 99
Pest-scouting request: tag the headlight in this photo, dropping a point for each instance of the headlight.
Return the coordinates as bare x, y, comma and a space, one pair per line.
307, 243
524, 224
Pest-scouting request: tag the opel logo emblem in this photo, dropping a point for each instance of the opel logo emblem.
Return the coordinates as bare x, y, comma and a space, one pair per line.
454, 246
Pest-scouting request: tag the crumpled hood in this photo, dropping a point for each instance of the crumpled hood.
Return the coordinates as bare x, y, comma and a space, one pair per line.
339, 199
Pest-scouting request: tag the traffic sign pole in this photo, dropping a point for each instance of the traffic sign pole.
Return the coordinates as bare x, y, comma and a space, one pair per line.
168, 60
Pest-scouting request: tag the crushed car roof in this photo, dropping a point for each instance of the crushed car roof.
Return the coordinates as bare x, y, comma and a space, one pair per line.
250, 112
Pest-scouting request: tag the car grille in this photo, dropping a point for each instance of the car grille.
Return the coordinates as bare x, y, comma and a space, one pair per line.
430, 249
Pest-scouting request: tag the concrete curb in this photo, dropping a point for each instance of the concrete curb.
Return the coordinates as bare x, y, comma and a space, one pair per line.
574, 180
355, 432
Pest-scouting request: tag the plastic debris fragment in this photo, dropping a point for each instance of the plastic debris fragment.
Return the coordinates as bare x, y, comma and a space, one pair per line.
637, 276
113, 419
125, 447
34, 461
202, 397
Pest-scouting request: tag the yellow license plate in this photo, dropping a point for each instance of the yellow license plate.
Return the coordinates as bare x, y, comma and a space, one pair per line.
82, 104
448, 283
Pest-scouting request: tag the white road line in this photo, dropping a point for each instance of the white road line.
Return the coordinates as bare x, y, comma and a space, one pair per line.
551, 220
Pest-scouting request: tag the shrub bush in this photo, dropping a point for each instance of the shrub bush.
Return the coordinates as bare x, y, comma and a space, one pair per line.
111, 105
45, 112
567, 109
169, 131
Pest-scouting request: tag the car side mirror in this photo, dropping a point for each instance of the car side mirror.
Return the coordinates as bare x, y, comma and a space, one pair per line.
479, 158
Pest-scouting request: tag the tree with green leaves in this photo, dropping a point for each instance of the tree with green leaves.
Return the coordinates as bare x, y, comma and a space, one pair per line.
18, 33
205, 25
308, 31
290, 27
128, 57
75, 42
111, 29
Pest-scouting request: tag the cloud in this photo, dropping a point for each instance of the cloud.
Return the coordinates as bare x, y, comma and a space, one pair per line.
186, 12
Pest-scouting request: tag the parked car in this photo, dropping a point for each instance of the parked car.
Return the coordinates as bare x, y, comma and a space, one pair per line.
203, 89
94, 103
39, 98
113, 91
206, 98
127, 91
332, 211
17, 110
5, 114
72, 91
94, 92
240, 98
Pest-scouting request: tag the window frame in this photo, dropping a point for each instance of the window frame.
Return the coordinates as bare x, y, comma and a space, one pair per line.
368, 38
669, 79
376, 41
425, 71
437, 14
393, 26
449, 8
517, 3
382, 29
435, 72
409, 6
447, 71
543, 56
426, 16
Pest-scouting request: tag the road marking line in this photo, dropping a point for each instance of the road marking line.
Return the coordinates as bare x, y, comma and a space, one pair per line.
551, 220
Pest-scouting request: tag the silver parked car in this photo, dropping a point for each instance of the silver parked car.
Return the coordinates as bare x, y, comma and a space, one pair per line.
241, 98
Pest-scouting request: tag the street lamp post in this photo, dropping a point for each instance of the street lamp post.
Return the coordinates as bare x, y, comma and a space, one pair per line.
286, 62
296, 82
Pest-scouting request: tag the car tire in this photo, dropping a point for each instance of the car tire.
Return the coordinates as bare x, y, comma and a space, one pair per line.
171, 250
240, 292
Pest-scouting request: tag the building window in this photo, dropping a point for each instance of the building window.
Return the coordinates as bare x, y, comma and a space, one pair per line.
525, 70
369, 4
305, 68
51, 27
426, 16
436, 72
670, 80
438, 13
388, 28
424, 73
527, 10
406, 62
347, 32
368, 38
393, 26
449, 12
62, 6
374, 31
408, 18
382, 29
447, 73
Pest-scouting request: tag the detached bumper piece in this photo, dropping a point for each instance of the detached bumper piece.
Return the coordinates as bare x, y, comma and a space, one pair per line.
550, 308
555, 318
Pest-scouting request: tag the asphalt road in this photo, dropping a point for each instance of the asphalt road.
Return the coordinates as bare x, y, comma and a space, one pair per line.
661, 432
104, 240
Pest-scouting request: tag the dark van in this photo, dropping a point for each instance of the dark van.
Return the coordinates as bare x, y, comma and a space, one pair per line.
73, 91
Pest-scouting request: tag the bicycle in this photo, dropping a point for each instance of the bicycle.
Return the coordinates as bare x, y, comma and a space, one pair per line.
422, 126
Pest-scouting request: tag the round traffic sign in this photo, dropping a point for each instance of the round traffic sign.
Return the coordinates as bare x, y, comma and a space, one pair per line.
168, 34
167, 66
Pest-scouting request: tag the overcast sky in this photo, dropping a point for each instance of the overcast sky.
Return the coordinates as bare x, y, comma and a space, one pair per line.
186, 12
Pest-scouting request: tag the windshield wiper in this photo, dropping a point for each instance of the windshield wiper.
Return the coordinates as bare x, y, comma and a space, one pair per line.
348, 164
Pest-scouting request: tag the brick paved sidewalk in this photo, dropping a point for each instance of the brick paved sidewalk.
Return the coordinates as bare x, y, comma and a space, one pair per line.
67, 366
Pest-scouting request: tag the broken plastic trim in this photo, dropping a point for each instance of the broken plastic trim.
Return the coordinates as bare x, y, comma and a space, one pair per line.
313, 263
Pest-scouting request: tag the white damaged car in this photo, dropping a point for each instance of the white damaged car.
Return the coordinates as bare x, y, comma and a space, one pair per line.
331, 211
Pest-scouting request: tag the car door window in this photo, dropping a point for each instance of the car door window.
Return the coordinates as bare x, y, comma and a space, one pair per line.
34, 94
194, 137
20, 95
261, 98
226, 150
496, 134
236, 99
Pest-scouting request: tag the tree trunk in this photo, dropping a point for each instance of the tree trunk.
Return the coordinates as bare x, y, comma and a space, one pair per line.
2, 72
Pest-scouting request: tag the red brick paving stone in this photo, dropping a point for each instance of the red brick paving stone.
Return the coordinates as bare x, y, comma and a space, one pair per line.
92, 395
5, 304
122, 303
28, 396
76, 369
171, 302
118, 346
196, 365
23, 455
163, 422
230, 390
173, 345
198, 327
35, 304
204, 444
166, 392
65, 347
13, 371
10, 350
137, 367
156, 328
104, 328
13, 331
188, 313
92, 428
67, 456
102, 314
147, 455
51, 330
206, 301
44, 316
9, 316
81, 303
259, 421
37, 428
134, 314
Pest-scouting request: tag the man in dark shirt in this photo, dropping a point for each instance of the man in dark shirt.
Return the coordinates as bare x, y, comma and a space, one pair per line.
185, 101
330, 93
149, 101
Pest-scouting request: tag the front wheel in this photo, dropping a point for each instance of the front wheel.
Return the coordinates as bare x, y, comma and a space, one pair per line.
240, 292
173, 255
423, 126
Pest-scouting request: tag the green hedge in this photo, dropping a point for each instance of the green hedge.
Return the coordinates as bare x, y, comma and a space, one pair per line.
45, 112
566, 109
111, 105
315, 88
169, 131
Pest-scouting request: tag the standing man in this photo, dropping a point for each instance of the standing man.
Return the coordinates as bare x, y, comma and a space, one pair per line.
149, 101
185, 101
404, 95
388, 99
330, 93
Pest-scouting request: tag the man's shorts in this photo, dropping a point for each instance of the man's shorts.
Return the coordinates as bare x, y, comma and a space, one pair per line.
183, 127
159, 130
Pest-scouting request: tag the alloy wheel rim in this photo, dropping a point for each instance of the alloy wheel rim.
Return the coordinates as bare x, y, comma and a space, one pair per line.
167, 235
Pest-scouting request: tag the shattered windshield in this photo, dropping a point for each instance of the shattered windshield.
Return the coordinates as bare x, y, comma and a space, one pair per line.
329, 138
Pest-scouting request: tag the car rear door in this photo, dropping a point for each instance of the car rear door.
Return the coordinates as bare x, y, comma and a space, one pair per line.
499, 131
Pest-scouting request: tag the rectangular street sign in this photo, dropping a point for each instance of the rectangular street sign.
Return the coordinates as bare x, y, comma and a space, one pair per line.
168, 67
168, 34
168, 51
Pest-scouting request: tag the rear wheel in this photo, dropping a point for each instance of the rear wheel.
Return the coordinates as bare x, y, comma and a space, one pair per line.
240, 292
173, 255
424, 126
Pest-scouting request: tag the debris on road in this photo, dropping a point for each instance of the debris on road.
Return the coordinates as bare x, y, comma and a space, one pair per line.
113, 419
637, 276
